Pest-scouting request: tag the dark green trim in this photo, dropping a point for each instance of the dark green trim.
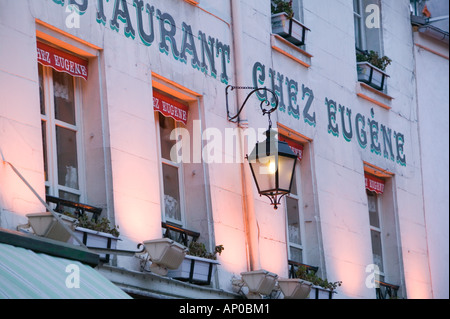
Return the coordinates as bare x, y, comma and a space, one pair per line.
48, 246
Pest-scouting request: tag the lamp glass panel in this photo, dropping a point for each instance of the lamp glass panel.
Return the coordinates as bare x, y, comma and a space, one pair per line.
264, 171
285, 171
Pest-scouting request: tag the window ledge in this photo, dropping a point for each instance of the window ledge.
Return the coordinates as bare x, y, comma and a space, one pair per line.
291, 51
370, 94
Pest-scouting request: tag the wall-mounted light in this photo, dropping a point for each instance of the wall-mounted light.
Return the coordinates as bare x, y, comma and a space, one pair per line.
165, 254
259, 282
272, 162
294, 288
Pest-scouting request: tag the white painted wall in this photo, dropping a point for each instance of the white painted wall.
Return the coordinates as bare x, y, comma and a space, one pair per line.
432, 98
337, 196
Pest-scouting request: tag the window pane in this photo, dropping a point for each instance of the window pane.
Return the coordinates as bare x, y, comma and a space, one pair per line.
295, 254
166, 125
71, 197
356, 6
41, 88
293, 220
63, 91
373, 210
376, 249
358, 36
171, 192
66, 145
297, 7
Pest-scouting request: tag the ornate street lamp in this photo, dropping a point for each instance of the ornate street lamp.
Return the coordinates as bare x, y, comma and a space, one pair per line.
272, 162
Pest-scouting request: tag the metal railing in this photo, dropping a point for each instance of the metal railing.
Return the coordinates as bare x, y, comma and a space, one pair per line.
386, 291
293, 267
78, 209
178, 234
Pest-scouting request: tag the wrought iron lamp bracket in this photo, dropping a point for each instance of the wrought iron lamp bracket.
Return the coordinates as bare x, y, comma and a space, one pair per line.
265, 102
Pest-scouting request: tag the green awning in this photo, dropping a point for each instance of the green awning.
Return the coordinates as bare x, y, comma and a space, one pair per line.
25, 274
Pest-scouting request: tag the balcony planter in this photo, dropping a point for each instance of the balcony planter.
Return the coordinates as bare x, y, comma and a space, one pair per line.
321, 288
289, 28
259, 282
294, 288
199, 265
46, 225
195, 270
371, 75
165, 254
96, 239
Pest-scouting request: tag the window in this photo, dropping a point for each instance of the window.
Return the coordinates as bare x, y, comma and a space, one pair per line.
60, 99
297, 7
375, 231
367, 23
294, 220
383, 230
171, 171
184, 187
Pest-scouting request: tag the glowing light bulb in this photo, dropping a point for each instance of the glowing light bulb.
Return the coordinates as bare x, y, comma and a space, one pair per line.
272, 167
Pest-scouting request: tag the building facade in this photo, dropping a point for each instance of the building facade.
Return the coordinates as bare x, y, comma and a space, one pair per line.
122, 105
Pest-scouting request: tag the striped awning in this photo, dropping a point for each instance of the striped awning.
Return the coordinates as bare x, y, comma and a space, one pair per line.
25, 274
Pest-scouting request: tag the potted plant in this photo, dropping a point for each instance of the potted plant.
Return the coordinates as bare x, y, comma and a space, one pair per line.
198, 265
97, 234
284, 24
371, 68
321, 288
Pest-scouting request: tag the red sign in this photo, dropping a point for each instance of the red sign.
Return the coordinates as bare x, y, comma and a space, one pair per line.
62, 61
169, 107
296, 147
374, 184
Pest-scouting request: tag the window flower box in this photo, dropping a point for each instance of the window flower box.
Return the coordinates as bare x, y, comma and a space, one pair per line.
321, 288
195, 270
96, 239
318, 292
371, 75
289, 28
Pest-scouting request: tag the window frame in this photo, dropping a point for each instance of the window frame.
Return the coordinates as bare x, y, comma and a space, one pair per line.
51, 123
381, 272
297, 7
360, 14
179, 166
297, 197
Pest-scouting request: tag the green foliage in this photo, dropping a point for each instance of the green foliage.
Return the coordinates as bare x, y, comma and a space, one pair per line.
102, 225
199, 250
373, 58
310, 276
278, 6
